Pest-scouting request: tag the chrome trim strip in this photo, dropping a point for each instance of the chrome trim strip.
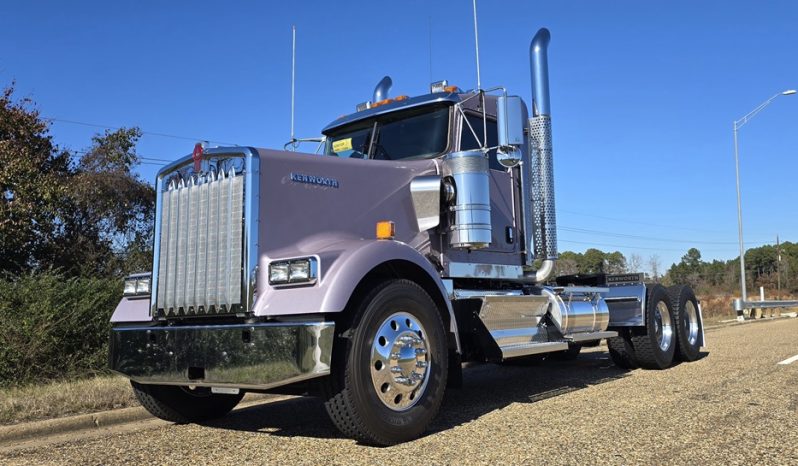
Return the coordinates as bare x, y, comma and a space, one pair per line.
475, 270
255, 356
580, 289
579, 337
251, 218
476, 294
513, 351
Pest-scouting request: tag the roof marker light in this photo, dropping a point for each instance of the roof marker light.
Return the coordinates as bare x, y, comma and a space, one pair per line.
438, 86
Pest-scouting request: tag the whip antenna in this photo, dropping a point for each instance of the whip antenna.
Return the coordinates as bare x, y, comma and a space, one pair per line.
293, 79
476, 43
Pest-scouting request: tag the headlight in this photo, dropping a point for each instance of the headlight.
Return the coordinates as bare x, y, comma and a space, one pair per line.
143, 285
137, 285
130, 286
299, 271
293, 271
278, 272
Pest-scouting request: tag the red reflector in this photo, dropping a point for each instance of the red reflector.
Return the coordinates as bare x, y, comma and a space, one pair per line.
197, 156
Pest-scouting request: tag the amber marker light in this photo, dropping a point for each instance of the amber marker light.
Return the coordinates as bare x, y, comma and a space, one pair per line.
386, 229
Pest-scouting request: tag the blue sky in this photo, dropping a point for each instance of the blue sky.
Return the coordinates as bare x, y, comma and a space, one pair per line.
644, 93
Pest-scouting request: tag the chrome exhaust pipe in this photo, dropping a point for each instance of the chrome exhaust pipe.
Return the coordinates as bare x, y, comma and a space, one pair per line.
382, 88
544, 218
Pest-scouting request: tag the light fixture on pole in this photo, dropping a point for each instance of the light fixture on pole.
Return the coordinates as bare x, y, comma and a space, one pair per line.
741, 304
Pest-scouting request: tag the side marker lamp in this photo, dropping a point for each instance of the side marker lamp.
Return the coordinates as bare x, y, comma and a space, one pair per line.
386, 229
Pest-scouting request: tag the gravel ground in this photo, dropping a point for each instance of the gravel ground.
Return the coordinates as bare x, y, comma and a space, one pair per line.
736, 405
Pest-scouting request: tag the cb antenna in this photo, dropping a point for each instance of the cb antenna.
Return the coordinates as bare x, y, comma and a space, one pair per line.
476, 43
293, 80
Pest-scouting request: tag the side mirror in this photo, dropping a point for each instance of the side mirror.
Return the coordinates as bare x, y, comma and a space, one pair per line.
510, 122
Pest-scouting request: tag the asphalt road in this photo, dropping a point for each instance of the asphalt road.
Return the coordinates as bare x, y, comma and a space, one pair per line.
736, 405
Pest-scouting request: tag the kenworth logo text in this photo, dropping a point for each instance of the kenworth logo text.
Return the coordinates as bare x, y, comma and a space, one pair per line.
310, 179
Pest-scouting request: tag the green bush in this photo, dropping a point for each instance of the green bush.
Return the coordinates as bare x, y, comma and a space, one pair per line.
53, 327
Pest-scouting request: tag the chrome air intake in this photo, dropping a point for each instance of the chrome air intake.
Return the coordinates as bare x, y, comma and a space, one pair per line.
540, 142
470, 226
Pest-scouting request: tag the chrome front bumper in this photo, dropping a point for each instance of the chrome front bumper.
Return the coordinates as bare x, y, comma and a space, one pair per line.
256, 356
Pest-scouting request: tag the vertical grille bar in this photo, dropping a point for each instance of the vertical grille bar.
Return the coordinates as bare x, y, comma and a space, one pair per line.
163, 264
236, 235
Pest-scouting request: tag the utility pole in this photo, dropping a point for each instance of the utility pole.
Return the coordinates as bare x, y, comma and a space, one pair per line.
778, 268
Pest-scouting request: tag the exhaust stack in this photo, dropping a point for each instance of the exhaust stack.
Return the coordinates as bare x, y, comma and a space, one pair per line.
381, 91
544, 232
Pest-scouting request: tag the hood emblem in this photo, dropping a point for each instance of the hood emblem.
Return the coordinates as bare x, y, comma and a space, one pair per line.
312, 179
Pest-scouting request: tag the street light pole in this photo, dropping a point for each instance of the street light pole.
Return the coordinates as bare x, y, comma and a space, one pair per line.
737, 125
743, 292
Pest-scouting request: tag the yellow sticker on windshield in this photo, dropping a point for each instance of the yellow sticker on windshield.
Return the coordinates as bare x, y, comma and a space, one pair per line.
342, 145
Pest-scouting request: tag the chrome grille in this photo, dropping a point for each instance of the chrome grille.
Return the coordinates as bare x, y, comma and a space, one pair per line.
201, 253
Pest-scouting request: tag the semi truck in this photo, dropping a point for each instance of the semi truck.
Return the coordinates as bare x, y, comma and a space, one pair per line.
421, 236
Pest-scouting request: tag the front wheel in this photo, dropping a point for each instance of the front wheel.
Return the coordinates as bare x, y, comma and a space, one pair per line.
389, 383
183, 405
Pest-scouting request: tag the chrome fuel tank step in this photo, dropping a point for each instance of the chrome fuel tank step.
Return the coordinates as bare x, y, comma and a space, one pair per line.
522, 325
513, 320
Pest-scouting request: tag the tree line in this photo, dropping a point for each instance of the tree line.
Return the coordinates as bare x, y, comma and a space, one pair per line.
83, 213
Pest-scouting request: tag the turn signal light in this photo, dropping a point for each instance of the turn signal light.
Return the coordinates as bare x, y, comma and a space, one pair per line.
386, 229
381, 102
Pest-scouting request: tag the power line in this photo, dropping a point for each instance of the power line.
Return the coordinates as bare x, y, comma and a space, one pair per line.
591, 243
151, 133
638, 222
647, 238
141, 157
626, 246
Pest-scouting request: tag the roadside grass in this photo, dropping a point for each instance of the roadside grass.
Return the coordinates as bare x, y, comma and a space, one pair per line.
718, 308
58, 399
68, 398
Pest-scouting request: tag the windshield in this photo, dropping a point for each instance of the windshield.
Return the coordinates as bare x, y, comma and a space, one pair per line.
412, 134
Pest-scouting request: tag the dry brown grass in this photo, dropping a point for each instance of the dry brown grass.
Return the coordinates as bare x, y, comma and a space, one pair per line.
35, 402
719, 307
60, 399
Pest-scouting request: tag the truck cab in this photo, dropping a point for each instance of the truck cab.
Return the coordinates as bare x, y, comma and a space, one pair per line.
423, 236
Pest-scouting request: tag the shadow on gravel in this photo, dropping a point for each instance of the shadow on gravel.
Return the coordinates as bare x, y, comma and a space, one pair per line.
486, 387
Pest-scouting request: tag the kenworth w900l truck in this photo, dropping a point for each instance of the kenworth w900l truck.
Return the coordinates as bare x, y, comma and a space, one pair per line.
423, 237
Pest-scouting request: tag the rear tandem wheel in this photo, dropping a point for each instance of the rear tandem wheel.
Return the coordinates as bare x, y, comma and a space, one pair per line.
688, 322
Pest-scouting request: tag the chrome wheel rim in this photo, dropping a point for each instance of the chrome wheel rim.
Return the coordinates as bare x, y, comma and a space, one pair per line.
400, 361
690, 316
663, 329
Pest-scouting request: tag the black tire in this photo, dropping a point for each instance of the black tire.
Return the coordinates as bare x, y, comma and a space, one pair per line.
621, 351
688, 322
181, 405
568, 355
655, 345
355, 404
